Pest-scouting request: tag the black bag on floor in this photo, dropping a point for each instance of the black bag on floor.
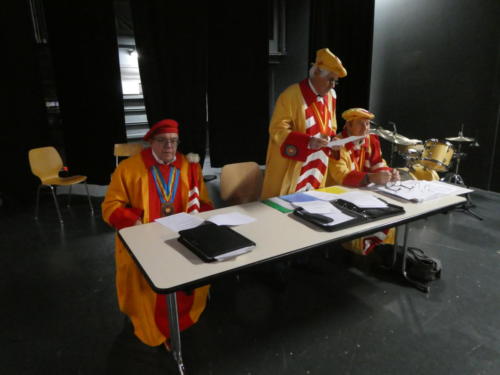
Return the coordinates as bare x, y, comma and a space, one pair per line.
419, 266
422, 267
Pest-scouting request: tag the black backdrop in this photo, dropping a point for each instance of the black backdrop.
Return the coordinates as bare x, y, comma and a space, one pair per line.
83, 42
24, 119
171, 41
238, 82
187, 52
346, 28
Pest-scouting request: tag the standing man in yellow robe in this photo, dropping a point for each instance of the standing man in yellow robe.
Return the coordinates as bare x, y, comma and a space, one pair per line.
157, 182
360, 163
302, 124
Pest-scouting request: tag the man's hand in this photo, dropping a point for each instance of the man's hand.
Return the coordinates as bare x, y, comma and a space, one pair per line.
317, 143
395, 175
380, 178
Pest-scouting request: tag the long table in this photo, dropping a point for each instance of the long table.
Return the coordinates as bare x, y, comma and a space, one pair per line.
169, 266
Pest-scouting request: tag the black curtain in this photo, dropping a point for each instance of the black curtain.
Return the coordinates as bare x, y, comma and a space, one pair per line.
84, 48
238, 82
171, 41
24, 118
346, 28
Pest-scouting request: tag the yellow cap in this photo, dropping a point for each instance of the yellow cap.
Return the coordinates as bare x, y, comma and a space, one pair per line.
357, 113
325, 59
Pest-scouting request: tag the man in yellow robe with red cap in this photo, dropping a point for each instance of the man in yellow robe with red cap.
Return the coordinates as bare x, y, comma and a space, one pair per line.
157, 182
302, 124
360, 163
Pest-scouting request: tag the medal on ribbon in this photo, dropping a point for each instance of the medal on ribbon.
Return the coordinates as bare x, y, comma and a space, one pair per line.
166, 189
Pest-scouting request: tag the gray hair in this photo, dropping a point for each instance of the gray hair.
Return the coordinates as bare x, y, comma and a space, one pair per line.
315, 68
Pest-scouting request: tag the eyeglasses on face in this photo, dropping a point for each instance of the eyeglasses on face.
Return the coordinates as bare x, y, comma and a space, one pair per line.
167, 141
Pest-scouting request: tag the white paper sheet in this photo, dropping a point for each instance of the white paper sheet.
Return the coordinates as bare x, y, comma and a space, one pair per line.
362, 199
419, 191
343, 141
232, 218
316, 207
180, 221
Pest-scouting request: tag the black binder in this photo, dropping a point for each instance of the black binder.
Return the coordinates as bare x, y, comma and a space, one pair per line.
359, 215
212, 242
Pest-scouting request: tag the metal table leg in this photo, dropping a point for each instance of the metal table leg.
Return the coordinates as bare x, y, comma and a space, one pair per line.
420, 286
175, 335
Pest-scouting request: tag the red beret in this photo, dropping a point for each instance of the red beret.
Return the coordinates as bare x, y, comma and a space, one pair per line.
164, 126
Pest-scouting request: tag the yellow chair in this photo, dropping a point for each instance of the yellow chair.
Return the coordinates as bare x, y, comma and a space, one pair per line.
240, 182
46, 163
126, 150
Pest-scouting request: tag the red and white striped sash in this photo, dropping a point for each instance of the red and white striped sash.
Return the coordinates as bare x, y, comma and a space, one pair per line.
193, 205
315, 166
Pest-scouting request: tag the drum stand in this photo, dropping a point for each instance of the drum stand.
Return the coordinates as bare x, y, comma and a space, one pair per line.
455, 178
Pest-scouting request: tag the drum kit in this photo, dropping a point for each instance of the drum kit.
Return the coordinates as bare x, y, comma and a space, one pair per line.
424, 160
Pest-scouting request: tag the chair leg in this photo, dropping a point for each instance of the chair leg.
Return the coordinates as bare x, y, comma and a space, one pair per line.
37, 201
69, 195
88, 197
57, 204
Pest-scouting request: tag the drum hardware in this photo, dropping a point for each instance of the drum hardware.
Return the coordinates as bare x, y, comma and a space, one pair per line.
455, 177
397, 140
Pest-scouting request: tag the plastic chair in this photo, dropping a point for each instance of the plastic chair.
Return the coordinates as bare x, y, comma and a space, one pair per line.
126, 150
240, 182
46, 163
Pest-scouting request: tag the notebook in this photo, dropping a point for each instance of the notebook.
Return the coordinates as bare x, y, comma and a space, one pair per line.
212, 242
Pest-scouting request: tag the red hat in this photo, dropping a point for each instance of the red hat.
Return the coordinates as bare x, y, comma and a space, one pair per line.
164, 126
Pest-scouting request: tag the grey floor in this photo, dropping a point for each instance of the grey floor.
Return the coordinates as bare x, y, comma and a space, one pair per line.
336, 315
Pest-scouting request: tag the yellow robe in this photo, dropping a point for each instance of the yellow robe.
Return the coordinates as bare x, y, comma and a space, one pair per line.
129, 195
343, 170
282, 173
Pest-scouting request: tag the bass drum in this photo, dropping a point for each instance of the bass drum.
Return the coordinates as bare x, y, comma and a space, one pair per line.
418, 172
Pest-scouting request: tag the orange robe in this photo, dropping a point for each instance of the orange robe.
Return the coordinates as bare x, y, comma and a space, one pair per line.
297, 116
132, 195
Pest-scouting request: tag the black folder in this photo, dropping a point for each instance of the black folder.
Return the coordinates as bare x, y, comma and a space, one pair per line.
359, 215
212, 242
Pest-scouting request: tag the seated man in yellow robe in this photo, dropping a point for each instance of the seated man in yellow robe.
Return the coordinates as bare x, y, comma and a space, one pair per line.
360, 163
157, 182
302, 124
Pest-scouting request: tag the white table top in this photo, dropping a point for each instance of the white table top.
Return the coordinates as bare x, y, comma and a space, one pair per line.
170, 266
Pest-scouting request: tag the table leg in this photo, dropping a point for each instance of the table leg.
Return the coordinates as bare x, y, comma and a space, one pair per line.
420, 286
175, 336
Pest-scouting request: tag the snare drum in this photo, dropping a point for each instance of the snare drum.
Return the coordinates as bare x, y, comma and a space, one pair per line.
418, 172
437, 155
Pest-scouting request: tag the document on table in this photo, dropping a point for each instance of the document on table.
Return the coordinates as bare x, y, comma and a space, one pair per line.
231, 218
343, 141
420, 191
298, 197
180, 221
362, 199
184, 220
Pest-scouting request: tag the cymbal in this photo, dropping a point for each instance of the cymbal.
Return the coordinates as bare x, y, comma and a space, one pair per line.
394, 137
460, 138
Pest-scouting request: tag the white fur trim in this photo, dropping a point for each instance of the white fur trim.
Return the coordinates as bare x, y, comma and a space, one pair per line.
193, 158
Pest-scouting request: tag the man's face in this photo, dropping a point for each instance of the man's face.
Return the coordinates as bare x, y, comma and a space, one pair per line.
323, 84
165, 146
358, 127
